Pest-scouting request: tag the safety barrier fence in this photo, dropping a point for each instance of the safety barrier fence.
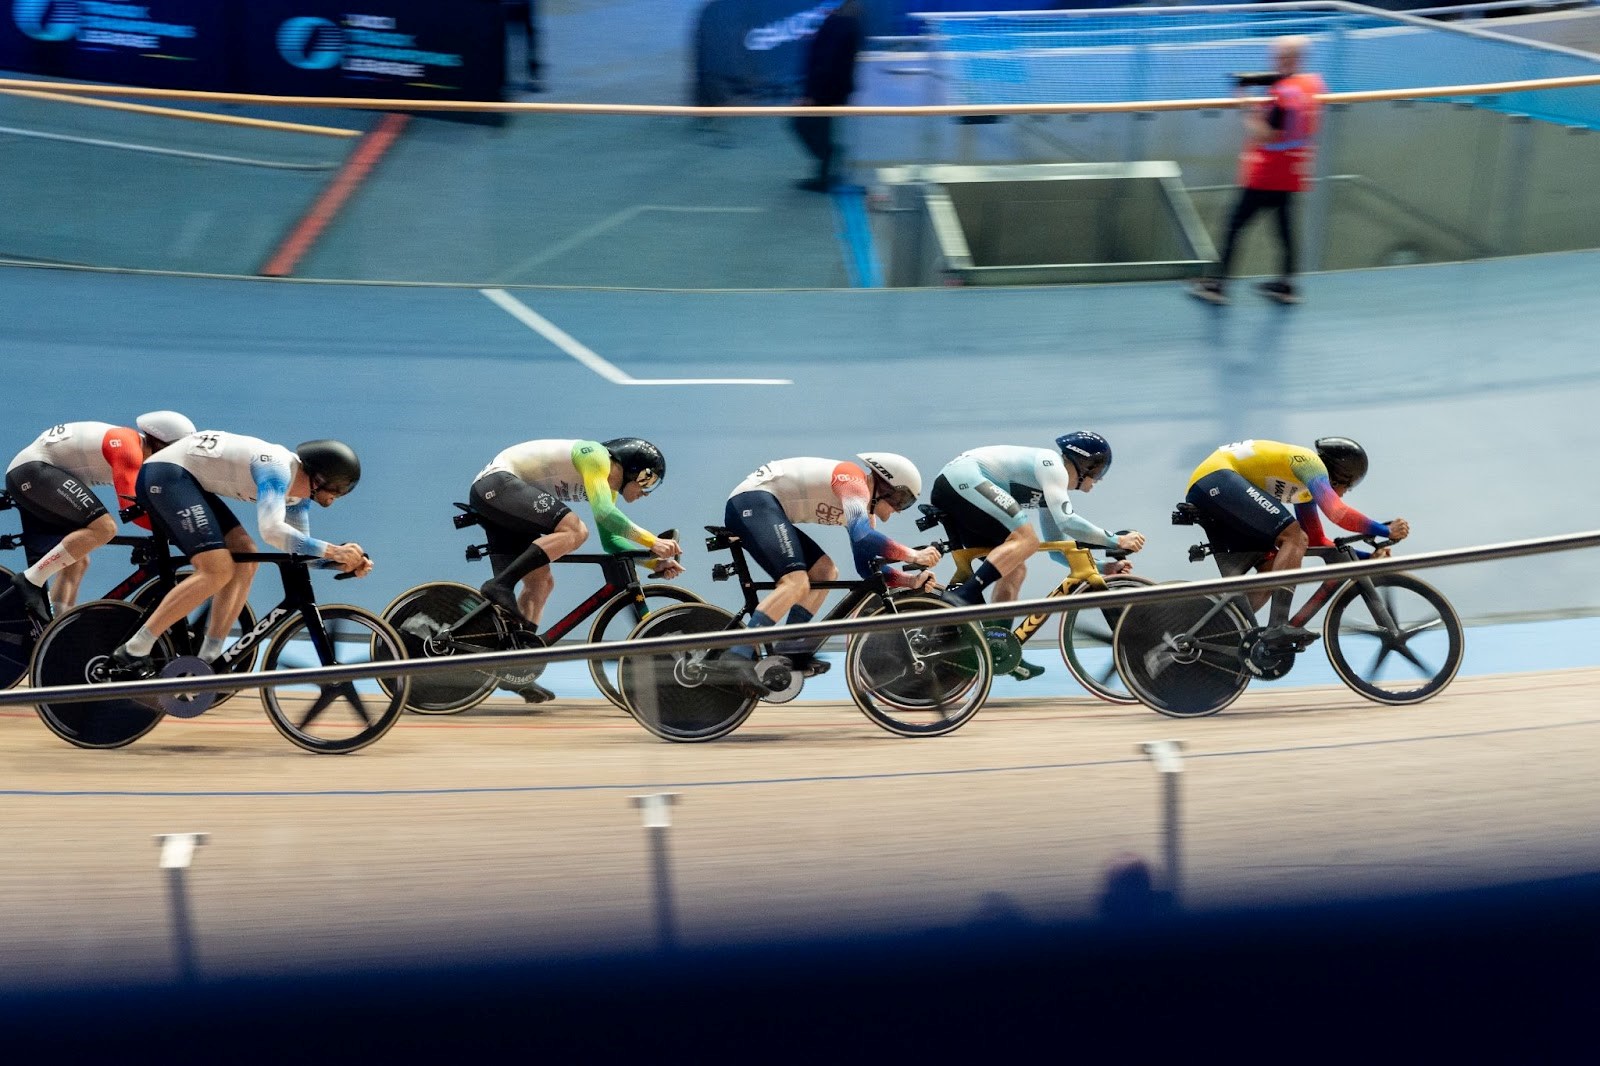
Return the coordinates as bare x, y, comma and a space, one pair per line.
1428, 92
493, 661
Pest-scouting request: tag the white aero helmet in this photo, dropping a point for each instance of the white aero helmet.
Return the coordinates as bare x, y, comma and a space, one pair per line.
897, 480
164, 426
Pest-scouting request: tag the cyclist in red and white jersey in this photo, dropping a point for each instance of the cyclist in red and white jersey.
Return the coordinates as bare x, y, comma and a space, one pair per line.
63, 521
181, 488
766, 508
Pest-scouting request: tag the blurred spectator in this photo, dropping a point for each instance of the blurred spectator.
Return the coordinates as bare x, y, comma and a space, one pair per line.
1280, 141
525, 13
830, 78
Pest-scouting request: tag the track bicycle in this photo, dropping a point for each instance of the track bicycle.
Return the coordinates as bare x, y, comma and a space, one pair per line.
325, 718
154, 571
919, 681
1084, 638
438, 619
1389, 637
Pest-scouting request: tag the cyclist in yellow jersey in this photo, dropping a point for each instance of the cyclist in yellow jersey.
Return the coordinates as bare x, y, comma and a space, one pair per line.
1244, 492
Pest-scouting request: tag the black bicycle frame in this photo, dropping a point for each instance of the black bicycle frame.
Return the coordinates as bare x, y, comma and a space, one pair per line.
857, 592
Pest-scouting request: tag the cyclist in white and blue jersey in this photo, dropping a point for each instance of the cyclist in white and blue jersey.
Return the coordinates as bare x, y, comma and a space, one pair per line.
181, 488
986, 494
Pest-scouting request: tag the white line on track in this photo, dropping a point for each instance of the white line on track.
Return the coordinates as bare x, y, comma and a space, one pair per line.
583, 354
583, 236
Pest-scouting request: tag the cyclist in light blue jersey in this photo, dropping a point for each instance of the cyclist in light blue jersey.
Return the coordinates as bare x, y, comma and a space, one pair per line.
986, 494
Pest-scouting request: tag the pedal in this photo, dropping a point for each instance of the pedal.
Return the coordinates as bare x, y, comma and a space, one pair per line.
1198, 552
476, 552
1026, 671
187, 704
1186, 514
722, 571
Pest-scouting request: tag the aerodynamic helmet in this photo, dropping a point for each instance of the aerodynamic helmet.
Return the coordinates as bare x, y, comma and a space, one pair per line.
1089, 453
1345, 459
164, 427
642, 462
896, 479
330, 464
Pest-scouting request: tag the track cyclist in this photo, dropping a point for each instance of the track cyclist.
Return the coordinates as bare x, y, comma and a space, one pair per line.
765, 510
1241, 490
986, 494
62, 520
522, 497
180, 488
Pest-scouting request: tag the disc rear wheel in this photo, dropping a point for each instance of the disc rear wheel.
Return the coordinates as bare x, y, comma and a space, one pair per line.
669, 693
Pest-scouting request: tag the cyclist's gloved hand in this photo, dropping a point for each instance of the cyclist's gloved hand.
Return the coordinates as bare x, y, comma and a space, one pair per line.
1399, 528
1130, 541
927, 558
901, 579
1112, 567
665, 549
666, 569
350, 558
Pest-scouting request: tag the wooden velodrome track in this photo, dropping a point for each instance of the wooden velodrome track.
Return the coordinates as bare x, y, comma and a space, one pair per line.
509, 832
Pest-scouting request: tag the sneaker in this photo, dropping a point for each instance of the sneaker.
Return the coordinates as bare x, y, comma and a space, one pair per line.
1282, 291
501, 597
1026, 671
136, 667
33, 597
1211, 291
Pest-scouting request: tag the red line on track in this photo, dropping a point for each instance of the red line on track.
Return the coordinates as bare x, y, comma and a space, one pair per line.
334, 195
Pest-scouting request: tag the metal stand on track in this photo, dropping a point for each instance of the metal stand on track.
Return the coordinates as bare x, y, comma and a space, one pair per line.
177, 849
1165, 756
657, 808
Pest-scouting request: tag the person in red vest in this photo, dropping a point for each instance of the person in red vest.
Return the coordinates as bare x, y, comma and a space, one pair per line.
1280, 142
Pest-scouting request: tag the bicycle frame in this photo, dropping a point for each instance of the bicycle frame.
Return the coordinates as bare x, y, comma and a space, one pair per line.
856, 592
1081, 569
298, 598
1339, 552
619, 572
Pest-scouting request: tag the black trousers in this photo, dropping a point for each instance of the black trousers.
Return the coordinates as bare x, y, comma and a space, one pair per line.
816, 133
526, 13
1249, 203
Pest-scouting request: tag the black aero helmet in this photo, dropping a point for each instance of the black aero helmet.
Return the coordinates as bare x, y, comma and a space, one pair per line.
330, 464
1345, 459
642, 462
1089, 453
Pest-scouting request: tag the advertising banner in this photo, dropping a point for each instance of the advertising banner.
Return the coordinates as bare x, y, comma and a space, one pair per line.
167, 44
411, 49
416, 49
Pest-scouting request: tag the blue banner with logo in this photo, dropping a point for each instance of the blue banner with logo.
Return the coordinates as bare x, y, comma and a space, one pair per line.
411, 49
421, 49
168, 44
